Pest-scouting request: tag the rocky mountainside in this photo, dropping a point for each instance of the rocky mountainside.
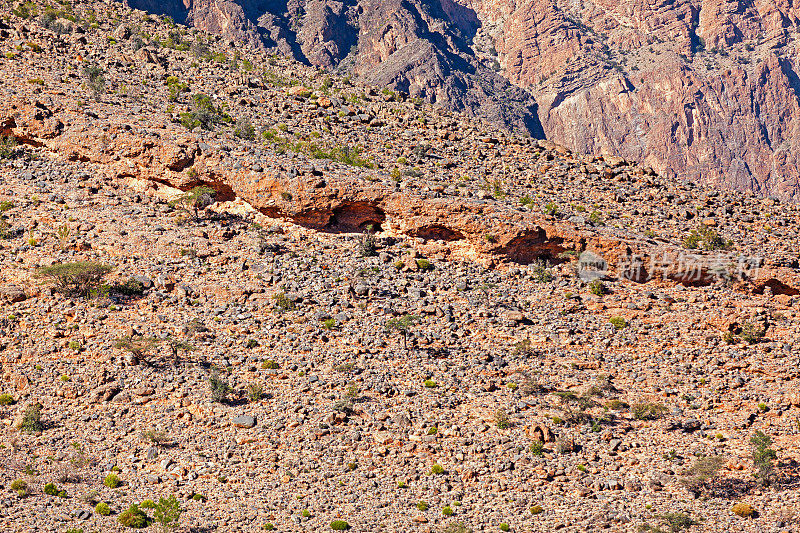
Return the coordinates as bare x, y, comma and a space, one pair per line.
705, 90
297, 302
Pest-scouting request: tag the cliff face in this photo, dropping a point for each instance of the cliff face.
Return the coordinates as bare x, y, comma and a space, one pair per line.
705, 90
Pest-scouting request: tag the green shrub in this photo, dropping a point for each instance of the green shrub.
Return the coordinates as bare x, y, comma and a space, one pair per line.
95, 79
251, 343
367, 243
147, 504
203, 113
422, 505
102, 509
131, 287
447, 510
424, 264
244, 129
676, 522
501, 419
176, 88
618, 322
282, 302
32, 419
597, 288
752, 332
505, 527
403, 326
75, 279
51, 490
524, 348
536, 509
456, 527
133, 517
648, 411
20, 487
219, 388
339, 525
112, 481
537, 448
196, 198
167, 513
763, 456
437, 469
137, 345
541, 274
702, 472
7, 147
199, 498
6, 399
430, 384
255, 392
269, 364
705, 238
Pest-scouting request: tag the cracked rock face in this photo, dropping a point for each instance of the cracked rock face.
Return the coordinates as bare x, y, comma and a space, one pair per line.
704, 90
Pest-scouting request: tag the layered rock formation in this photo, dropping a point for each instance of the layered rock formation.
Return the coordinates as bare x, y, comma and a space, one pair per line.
701, 90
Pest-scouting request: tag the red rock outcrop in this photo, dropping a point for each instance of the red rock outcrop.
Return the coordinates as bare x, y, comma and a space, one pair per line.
487, 231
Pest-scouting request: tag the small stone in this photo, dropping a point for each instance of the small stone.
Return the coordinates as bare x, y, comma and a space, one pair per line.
244, 421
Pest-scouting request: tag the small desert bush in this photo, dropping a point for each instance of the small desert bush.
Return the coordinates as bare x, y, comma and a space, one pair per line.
51, 490
102, 509
75, 279
705, 238
703, 472
618, 322
648, 411
219, 388
255, 392
133, 517
675, 522
32, 419
745, 510
763, 456
20, 487
456, 527
597, 288
752, 332
167, 512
